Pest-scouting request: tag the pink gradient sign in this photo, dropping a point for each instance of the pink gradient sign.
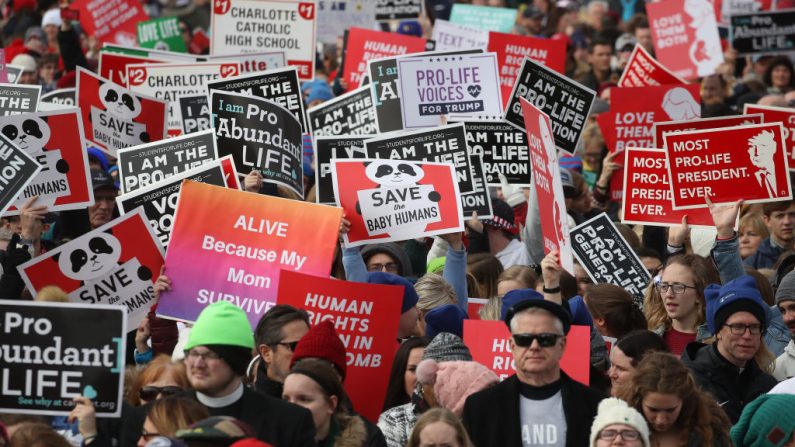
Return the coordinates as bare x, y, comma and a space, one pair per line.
230, 245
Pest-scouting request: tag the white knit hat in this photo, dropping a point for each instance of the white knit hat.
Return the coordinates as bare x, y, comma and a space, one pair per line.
616, 411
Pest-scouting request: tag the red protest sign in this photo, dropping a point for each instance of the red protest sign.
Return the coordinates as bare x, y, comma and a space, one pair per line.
642, 70
489, 343
364, 45
549, 187
743, 162
511, 50
647, 192
783, 115
701, 123
114, 21
366, 319
473, 307
685, 37
113, 66
395, 200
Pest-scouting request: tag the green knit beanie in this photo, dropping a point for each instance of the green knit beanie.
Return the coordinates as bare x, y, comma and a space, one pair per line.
221, 323
765, 422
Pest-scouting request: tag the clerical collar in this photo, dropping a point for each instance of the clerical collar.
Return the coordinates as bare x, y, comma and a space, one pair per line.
218, 402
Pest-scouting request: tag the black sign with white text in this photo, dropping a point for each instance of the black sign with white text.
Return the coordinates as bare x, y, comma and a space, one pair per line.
17, 169
330, 148
63, 96
763, 32
397, 9
195, 113
350, 114
504, 150
479, 200
16, 99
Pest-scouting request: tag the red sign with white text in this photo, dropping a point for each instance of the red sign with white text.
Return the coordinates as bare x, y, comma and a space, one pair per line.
511, 50
643, 70
784, 115
113, 21
743, 162
364, 45
702, 123
647, 192
489, 343
113, 66
366, 318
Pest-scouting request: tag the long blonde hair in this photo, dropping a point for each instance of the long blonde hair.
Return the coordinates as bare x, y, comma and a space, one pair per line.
440, 414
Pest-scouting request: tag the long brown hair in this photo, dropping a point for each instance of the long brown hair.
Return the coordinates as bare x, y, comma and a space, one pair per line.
439, 414
661, 372
614, 304
704, 274
161, 365
173, 413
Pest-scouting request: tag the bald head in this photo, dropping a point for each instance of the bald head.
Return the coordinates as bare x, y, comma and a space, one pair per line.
773, 100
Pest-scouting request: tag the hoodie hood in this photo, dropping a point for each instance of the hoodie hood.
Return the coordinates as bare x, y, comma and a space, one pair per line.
395, 251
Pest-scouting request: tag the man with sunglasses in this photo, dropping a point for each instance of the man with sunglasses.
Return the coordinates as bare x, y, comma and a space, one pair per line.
540, 405
277, 335
727, 369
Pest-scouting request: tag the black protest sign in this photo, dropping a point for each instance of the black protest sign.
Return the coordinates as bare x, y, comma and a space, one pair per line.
397, 9
606, 256
763, 32
17, 169
259, 134
70, 350
504, 150
16, 99
63, 97
280, 86
195, 113
331, 148
145, 164
566, 102
350, 114
479, 200
13, 72
159, 201
441, 144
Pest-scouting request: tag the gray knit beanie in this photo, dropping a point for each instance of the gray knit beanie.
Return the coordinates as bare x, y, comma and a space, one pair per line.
786, 288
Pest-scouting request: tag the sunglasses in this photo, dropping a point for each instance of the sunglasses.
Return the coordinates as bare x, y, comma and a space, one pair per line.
150, 393
545, 340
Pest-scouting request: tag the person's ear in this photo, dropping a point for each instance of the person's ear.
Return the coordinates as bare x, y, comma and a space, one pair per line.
333, 401
563, 343
266, 353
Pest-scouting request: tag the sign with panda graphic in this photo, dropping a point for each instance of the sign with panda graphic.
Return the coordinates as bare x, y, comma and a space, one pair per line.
195, 113
143, 165
115, 264
17, 170
16, 99
328, 149
396, 200
350, 114
55, 140
115, 117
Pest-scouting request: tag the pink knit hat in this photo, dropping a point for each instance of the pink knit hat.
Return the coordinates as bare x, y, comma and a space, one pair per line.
454, 381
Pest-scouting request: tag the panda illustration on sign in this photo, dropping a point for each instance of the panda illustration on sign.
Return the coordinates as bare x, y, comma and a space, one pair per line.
31, 133
114, 126
399, 205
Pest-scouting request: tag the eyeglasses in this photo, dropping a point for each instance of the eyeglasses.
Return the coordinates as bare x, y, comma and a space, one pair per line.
207, 355
146, 435
739, 329
677, 288
289, 345
545, 340
390, 267
627, 435
149, 393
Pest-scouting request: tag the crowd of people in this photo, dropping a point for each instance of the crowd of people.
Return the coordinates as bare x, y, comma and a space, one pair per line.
706, 359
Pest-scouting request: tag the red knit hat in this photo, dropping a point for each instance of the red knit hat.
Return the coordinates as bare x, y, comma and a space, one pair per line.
322, 342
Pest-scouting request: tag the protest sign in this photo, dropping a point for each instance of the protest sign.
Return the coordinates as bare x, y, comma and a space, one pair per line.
65, 97
504, 151
549, 186
607, 258
397, 9
479, 199
743, 162
449, 36
727, 8
350, 114
464, 85
396, 200
116, 263
783, 115
3, 69
169, 81
330, 148
441, 144
647, 192
363, 45
489, 343
55, 140
70, 350
167, 56
279, 85
162, 34
473, 307
566, 102
661, 127
16, 99
511, 50
159, 200
685, 37
113, 66
115, 117
366, 318
150, 163
334, 17
17, 170
13, 72
243, 26
195, 113
254, 62
643, 70
259, 134
483, 17
110, 20
763, 32
236, 255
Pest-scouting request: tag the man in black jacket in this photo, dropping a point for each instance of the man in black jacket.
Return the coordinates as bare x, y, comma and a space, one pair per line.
539, 405
277, 335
